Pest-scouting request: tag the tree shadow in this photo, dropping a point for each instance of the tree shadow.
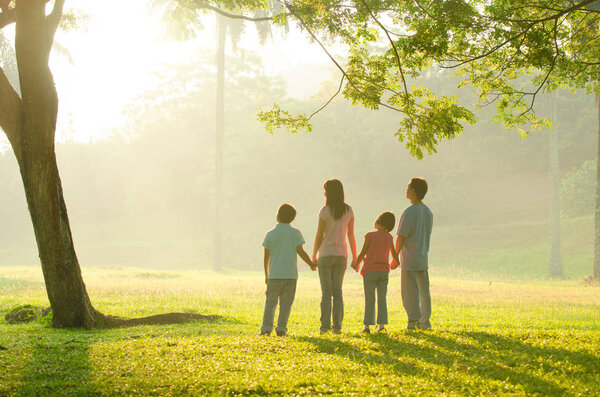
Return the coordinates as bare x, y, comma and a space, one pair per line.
59, 365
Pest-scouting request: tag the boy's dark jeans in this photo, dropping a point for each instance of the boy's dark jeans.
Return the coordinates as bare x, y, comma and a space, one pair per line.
284, 291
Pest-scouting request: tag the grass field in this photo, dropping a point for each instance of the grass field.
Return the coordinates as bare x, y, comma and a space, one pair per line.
498, 338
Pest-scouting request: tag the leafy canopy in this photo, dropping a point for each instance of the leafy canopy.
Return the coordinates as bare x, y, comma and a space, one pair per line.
490, 44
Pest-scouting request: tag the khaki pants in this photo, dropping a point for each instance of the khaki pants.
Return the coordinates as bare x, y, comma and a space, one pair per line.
283, 291
416, 298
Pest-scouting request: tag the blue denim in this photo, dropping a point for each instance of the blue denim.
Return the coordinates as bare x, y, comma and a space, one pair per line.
331, 275
375, 281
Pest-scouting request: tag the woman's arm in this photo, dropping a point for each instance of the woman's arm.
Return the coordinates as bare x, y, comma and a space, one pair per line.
351, 239
318, 239
362, 254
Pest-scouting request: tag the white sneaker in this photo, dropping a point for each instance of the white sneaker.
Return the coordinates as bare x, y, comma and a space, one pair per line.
380, 328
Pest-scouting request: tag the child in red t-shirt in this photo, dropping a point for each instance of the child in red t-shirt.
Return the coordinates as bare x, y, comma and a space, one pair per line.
376, 252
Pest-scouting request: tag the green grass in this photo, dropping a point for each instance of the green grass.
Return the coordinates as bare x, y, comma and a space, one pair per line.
503, 338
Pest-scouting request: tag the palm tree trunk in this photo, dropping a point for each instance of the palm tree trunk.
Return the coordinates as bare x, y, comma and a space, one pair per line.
217, 242
555, 265
597, 210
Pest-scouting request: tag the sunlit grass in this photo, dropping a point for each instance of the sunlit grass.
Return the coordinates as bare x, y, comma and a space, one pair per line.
510, 338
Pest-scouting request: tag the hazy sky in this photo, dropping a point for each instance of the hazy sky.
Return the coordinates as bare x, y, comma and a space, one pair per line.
115, 58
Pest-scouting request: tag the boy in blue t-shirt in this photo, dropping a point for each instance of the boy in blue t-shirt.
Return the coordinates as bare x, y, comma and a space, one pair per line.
282, 245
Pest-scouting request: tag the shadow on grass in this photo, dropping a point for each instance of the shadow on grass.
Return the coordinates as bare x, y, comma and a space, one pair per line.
494, 359
501, 358
59, 366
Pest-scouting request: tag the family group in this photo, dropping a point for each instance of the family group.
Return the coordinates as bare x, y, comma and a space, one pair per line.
335, 231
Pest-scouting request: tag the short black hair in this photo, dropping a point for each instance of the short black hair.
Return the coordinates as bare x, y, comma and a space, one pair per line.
387, 220
419, 185
286, 213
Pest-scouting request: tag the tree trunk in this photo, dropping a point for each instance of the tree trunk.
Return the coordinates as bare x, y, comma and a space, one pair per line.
597, 211
555, 263
34, 150
217, 242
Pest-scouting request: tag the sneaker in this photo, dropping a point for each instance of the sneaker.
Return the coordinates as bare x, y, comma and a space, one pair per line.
265, 333
337, 331
411, 325
280, 333
380, 328
366, 329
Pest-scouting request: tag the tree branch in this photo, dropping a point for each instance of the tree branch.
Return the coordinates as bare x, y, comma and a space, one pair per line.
315, 38
330, 99
398, 61
229, 15
11, 111
7, 17
52, 21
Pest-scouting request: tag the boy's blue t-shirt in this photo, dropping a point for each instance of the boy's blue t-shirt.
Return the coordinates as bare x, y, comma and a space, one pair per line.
415, 226
282, 242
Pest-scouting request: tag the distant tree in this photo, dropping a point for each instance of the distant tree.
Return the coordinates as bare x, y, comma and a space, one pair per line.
185, 22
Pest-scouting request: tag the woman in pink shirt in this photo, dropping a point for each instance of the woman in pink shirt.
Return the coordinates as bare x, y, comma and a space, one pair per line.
336, 223
376, 252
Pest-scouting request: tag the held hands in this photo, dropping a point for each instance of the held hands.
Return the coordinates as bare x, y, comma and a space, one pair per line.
394, 265
313, 267
354, 265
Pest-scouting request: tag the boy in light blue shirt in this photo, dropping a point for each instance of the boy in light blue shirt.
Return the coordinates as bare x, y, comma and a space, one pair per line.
282, 245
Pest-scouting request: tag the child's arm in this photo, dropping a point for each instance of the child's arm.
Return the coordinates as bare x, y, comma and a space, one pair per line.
399, 245
266, 263
362, 254
396, 260
305, 258
318, 239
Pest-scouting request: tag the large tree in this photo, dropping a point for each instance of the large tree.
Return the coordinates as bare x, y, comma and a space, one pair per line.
28, 118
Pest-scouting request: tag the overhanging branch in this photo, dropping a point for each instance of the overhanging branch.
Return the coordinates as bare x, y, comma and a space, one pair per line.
52, 21
230, 15
11, 110
7, 17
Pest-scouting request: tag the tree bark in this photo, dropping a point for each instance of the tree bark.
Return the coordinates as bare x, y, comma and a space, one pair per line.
220, 110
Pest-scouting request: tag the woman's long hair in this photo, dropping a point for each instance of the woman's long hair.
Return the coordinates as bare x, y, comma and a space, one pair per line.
334, 192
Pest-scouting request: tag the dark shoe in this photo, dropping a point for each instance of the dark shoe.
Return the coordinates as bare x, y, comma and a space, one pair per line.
337, 331
367, 330
265, 334
279, 333
411, 325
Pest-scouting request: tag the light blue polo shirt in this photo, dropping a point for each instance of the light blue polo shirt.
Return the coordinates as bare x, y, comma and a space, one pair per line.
415, 226
282, 242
